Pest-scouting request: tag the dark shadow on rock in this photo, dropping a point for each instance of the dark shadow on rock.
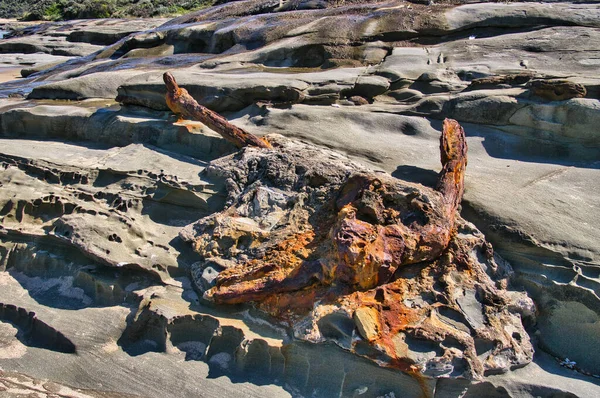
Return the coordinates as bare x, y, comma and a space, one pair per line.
49, 273
551, 365
63, 277
166, 211
106, 178
503, 145
121, 126
186, 256
79, 143
416, 174
141, 337
175, 61
33, 332
194, 161
52, 293
19, 87
479, 32
487, 389
318, 370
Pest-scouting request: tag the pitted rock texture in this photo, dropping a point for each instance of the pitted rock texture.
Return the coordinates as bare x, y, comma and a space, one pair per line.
104, 210
520, 77
306, 229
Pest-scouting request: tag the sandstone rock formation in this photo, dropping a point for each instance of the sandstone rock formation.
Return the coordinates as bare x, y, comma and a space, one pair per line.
99, 180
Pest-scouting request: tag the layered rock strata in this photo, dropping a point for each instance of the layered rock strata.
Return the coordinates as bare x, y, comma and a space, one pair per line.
371, 81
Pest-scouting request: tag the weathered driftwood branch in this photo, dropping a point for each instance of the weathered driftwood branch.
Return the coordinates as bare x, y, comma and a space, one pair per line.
182, 103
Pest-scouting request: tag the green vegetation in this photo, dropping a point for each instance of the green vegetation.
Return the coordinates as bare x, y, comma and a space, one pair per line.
55, 10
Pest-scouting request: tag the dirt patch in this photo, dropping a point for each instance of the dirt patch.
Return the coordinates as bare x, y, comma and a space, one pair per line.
9, 73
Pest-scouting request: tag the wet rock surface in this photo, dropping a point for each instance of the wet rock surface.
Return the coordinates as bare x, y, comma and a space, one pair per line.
106, 200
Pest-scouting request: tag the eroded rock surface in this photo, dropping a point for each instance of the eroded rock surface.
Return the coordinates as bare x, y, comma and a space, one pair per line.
372, 81
117, 216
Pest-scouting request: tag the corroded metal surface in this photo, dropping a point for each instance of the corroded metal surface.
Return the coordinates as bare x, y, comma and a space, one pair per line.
182, 104
372, 231
383, 267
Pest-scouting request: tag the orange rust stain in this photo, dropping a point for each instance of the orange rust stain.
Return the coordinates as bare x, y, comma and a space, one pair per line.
453, 145
361, 241
289, 306
266, 142
297, 243
292, 251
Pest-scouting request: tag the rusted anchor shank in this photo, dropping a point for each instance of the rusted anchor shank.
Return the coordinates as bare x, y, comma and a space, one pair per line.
376, 225
182, 103
453, 151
